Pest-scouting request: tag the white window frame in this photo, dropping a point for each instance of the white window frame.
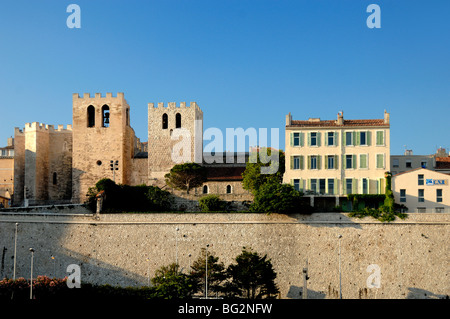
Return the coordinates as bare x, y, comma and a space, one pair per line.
384, 138
367, 161
384, 160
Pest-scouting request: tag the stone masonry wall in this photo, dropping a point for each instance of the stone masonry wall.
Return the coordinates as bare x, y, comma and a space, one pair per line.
412, 254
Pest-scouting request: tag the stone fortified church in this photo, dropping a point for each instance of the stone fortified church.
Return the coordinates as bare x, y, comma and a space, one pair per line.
58, 165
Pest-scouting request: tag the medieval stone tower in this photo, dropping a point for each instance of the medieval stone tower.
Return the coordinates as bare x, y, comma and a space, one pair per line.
175, 135
101, 134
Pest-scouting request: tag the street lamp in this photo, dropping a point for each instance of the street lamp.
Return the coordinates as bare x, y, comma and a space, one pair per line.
54, 266
206, 273
176, 245
15, 251
340, 282
31, 273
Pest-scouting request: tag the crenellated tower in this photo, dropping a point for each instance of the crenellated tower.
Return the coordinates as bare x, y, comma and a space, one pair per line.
101, 134
175, 135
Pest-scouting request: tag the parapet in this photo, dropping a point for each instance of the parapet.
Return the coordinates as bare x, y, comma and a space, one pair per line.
41, 127
108, 95
173, 105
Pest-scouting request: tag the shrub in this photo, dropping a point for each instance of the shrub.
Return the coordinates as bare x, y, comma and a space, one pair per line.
211, 203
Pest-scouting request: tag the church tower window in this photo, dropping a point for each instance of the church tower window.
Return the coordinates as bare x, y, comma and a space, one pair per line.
105, 115
164, 121
178, 120
91, 116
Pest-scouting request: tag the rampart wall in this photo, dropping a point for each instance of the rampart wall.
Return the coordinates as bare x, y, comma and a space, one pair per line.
126, 249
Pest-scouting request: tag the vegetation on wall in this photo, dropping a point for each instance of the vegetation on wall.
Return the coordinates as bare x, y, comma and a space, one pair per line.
270, 194
385, 212
211, 203
125, 198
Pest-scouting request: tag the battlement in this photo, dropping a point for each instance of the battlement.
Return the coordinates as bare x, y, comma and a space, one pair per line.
108, 95
41, 127
173, 105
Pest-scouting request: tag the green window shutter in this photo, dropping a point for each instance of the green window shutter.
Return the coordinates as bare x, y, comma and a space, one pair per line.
301, 162
335, 186
326, 161
302, 137
309, 139
292, 162
355, 138
326, 139
319, 159
369, 137
336, 136
354, 161
309, 184
380, 137
308, 162
292, 182
336, 162
318, 138
355, 186
292, 139
343, 139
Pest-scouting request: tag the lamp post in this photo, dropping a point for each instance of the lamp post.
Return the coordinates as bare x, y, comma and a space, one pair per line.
15, 251
148, 272
176, 245
31, 273
340, 282
206, 273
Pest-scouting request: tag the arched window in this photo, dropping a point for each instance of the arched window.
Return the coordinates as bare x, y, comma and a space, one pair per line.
178, 120
91, 116
229, 189
165, 121
105, 115
205, 189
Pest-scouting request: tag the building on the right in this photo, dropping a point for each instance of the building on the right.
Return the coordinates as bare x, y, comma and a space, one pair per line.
422, 191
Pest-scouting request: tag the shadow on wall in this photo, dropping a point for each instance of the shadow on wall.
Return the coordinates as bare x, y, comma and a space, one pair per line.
296, 292
51, 258
417, 293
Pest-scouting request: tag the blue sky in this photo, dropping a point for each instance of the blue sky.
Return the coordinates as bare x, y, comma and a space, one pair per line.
247, 63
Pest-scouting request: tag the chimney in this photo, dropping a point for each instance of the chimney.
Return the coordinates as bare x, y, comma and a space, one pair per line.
340, 118
288, 119
386, 117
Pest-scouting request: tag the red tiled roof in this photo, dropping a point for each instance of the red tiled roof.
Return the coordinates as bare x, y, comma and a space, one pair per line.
443, 162
326, 123
224, 173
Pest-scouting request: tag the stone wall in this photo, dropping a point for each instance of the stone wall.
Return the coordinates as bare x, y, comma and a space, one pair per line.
412, 254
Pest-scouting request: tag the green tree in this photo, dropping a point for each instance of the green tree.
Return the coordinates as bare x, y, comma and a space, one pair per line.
273, 197
251, 277
170, 283
252, 176
186, 176
216, 273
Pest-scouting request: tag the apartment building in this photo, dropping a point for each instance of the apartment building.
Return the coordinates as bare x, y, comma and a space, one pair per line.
422, 191
337, 157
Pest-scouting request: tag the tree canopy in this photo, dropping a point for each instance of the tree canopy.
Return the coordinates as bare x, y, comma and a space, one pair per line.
186, 176
254, 176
